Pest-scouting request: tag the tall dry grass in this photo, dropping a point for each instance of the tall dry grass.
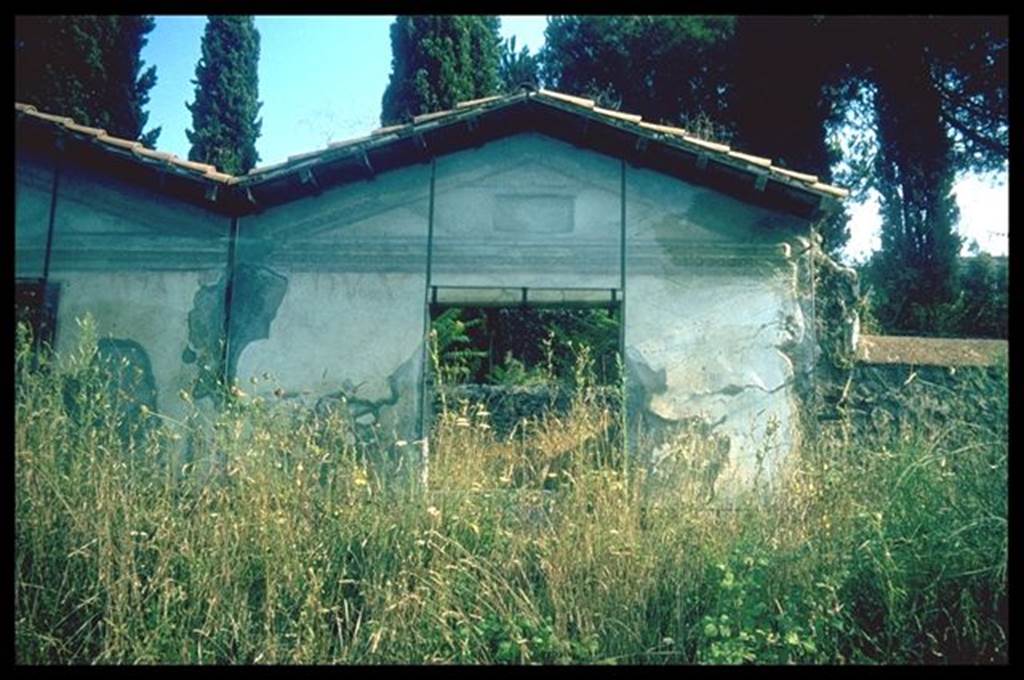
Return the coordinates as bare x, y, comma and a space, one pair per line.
539, 548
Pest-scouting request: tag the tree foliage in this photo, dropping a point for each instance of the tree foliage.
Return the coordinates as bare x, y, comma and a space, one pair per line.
940, 108
438, 61
979, 309
224, 114
517, 68
524, 344
666, 68
88, 68
789, 87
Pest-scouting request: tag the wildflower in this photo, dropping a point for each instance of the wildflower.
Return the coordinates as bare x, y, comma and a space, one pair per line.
433, 512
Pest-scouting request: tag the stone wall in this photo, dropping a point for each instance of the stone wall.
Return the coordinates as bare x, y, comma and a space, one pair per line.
887, 398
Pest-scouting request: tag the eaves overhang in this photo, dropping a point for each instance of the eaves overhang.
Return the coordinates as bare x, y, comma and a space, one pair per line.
576, 120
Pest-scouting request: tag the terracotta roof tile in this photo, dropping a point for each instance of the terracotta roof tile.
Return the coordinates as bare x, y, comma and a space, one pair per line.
711, 146
219, 176
121, 143
578, 101
379, 136
95, 132
829, 189
477, 102
631, 117
60, 120
156, 155
667, 129
192, 165
754, 160
390, 128
423, 118
803, 177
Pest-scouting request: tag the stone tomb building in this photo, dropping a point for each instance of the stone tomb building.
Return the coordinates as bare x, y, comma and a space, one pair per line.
320, 270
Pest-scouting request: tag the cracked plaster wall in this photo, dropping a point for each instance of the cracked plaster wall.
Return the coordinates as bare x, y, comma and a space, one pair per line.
527, 211
350, 322
329, 288
134, 261
718, 334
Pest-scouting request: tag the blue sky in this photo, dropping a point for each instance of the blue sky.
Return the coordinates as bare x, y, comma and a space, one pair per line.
322, 79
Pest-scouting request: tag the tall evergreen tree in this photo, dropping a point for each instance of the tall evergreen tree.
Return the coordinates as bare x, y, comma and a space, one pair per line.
666, 68
783, 79
438, 61
914, 173
940, 97
224, 113
485, 54
88, 68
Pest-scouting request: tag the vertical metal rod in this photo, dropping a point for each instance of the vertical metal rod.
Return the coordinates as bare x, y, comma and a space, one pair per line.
422, 431
622, 330
50, 226
229, 289
812, 270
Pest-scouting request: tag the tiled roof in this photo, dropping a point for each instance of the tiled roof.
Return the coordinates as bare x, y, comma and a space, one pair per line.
136, 148
756, 165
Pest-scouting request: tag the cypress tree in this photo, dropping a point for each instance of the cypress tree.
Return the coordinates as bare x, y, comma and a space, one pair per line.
914, 173
485, 55
666, 68
224, 113
88, 68
438, 61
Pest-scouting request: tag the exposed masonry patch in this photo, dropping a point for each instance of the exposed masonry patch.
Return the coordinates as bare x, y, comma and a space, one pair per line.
688, 447
131, 366
132, 385
389, 412
256, 296
257, 293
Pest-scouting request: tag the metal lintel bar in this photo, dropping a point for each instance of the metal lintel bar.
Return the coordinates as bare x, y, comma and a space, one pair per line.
542, 296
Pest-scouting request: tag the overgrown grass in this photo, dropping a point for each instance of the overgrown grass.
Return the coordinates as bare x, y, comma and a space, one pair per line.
540, 549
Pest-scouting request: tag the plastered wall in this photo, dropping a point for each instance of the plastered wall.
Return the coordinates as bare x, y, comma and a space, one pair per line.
329, 300
327, 292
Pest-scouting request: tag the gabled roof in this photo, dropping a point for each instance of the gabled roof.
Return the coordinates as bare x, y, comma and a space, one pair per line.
579, 120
